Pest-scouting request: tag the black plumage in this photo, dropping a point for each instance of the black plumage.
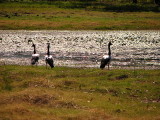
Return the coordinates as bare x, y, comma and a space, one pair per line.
50, 62
104, 62
35, 57
49, 58
106, 58
34, 60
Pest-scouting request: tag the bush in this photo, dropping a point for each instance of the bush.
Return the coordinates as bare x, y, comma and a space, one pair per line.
131, 8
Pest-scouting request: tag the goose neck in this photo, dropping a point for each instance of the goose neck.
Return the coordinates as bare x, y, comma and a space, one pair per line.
34, 50
109, 50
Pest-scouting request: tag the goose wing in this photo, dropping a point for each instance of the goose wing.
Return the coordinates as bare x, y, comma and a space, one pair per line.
104, 61
34, 59
49, 60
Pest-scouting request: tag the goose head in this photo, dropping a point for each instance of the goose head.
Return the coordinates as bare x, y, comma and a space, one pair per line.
110, 43
30, 41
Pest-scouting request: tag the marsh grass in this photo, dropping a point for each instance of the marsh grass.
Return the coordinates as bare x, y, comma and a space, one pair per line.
31, 16
78, 93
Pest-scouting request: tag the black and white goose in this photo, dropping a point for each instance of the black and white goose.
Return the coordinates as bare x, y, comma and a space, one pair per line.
48, 57
106, 58
35, 56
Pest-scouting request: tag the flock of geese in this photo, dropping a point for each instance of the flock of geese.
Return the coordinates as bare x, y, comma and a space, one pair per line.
49, 59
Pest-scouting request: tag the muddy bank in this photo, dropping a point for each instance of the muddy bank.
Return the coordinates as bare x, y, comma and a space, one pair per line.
83, 48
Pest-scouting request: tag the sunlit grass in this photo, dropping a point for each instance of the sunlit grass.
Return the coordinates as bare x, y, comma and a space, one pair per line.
37, 16
78, 93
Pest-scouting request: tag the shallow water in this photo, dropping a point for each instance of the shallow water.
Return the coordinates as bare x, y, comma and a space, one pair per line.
130, 49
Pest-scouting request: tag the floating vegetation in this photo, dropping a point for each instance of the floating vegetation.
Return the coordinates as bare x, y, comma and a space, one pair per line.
138, 49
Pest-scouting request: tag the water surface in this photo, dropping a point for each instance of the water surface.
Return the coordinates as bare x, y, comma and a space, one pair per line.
140, 49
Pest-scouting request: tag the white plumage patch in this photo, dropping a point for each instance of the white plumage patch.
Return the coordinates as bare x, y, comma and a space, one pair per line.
50, 56
106, 56
35, 55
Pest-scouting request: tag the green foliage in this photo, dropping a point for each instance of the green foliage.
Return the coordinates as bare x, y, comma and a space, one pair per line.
95, 5
131, 8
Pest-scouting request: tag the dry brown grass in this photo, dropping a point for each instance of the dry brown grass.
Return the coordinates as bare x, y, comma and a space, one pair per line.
37, 93
31, 24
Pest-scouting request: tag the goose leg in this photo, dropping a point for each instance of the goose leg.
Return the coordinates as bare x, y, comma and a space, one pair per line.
46, 65
108, 66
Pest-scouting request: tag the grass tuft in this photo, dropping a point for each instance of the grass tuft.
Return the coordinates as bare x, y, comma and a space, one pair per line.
78, 93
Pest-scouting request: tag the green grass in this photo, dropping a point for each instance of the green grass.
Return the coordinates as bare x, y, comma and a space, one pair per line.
38, 16
66, 93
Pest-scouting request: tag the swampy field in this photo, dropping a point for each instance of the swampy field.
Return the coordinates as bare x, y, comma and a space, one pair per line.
137, 49
65, 93
79, 33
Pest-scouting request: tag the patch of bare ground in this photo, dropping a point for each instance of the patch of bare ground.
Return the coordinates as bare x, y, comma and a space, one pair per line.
22, 105
18, 104
42, 99
44, 84
121, 77
117, 77
94, 115
28, 98
20, 111
69, 84
68, 105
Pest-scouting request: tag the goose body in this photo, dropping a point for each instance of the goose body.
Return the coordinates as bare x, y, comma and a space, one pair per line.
35, 56
104, 61
34, 59
49, 58
106, 58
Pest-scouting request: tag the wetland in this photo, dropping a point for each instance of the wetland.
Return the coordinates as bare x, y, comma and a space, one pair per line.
137, 48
